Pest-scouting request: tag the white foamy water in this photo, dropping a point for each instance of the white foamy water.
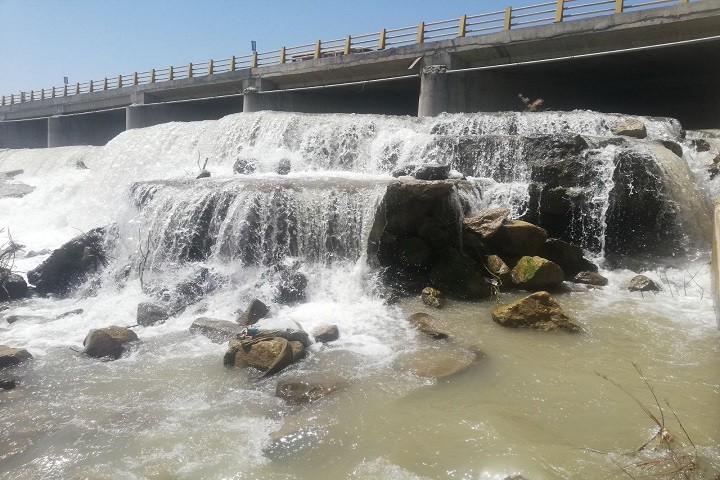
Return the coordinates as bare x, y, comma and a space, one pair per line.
169, 409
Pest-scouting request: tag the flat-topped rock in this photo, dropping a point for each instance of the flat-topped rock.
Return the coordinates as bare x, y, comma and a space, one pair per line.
13, 356
218, 331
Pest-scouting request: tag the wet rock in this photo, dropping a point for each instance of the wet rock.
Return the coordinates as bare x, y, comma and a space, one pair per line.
459, 276
203, 174
244, 166
14, 189
294, 443
254, 312
432, 172
700, 145
304, 391
12, 286
13, 356
432, 297
407, 170
537, 273
641, 283
425, 323
326, 333
487, 222
149, 313
108, 342
473, 246
71, 313
24, 318
269, 355
80, 165
192, 289
218, 331
437, 363
283, 167
7, 384
518, 238
630, 128
590, 278
287, 329
291, 286
68, 266
499, 269
298, 349
538, 311
567, 256
674, 147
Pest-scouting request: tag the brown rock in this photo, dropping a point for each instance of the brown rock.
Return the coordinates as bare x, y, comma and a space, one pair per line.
590, 278
641, 283
487, 222
630, 128
303, 391
499, 270
269, 355
326, 333
255, 311
536, 273
519, 238
298, 350
432, 297
424, 323
12, 356
437, 363
120, 334
539, 311
100, 344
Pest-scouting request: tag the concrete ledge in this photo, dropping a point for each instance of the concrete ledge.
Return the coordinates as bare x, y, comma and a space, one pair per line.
715, 264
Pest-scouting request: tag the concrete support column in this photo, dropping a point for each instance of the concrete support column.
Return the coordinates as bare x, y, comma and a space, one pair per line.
86, 129
251, 100
58, 134
434, 91
137, 116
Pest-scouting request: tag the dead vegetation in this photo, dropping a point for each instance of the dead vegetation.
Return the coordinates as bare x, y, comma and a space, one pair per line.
531, 105
8, 251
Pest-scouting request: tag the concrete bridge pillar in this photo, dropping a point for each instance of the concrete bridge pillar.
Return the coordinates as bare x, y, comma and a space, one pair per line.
434, 91
85, 129
252, 102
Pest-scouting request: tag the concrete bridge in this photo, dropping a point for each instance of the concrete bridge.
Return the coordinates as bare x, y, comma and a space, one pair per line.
649, 57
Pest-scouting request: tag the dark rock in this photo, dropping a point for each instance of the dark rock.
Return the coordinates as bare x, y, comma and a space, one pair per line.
537, 273
13, 356
641, 283
218, 331
432, 172
203, 174
24, 318
487, 222
304, 391
149, 313
326, 333
68, 266
80, 165
437, 363
77, 311
283, 167
674, 147
291, 286
590, 278
518, 238
499, 269
7, 384
569, 257
425, 323
538, 311
12, 286
473, 246
700, 145
458, 275
407, 170
244, 166
255, 311
99, 344
11, 173
199, 283
432, 297
269, 355
630, 128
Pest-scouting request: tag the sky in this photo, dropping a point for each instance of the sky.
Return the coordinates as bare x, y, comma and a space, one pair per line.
42, 41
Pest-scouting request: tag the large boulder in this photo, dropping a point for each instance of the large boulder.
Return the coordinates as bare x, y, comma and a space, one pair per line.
538, 311
590, 278
68, 266
301, 391
269, 355
326, 333
641, 283
518, 238
537, 273
567, 256
149, 313
12, 286
108, 342
218, 331
630, 127
427, 325
13, 356
291, 286
459, 276
254, 312
487, 222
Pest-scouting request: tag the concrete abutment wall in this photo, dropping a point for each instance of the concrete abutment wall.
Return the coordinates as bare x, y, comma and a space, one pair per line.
24, 134
96, 128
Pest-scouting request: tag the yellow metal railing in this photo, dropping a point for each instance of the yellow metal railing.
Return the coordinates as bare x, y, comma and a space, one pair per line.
545, 13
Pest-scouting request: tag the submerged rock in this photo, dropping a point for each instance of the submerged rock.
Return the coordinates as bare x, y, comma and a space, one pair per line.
68, 266
269, 355
437, 363
10, 356
283, 167
291, 286
244, 166
432, 297
307, 390
641, 283
7, 384
425, 323
70, 313
12, 286
254, 312
590, 278
24, 318
218, 331
537, 273
326, 333
539, 311
630, 128
293, 443
108, 342
149, 313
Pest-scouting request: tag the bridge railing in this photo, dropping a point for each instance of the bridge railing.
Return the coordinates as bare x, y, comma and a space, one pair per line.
544, 13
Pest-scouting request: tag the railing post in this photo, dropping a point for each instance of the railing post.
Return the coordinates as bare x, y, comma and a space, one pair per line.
318, 48
119, 81
381, 39
211, 66
42, 94
12, 98
91, 86
152, 76
32, 95
105, 84
559, 10
462, 26
348, 45
190, 70
77, 88
52, 94
65, 90
282, 55
171, 73
135, 78
232, 63
619, 4
420, 33
507, 23
253, 62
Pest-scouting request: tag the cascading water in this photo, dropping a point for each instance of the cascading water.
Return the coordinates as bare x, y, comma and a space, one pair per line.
170, 410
